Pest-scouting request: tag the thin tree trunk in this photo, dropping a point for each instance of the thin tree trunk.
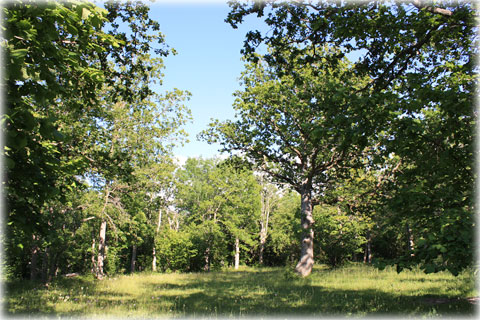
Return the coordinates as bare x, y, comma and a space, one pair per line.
263, 239
101, 250
102, 236
207, 259
305, 265
237, 253
154, 253
134, 258
154, 260
264, 224
45, 265
53, 267
410, 243
94, 262
367, 257
34, 261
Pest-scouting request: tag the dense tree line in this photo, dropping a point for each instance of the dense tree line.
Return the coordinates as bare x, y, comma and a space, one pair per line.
84, 130
331, 160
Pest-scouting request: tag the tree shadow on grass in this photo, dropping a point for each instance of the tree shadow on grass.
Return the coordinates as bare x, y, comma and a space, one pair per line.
268, 294
25, 297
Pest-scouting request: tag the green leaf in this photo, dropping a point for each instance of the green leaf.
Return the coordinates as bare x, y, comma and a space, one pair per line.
24, 24
72, 29
58, 135
18, 55
20, 141
10, 163
85, 13
96, 22
28, 121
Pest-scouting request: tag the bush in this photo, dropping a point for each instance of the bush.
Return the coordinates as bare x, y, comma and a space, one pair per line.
339, 236
174, 250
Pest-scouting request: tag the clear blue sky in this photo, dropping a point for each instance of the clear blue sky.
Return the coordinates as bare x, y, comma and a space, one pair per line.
208, 62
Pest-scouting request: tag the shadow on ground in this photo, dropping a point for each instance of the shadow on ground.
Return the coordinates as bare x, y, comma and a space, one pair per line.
270, 292
232, 294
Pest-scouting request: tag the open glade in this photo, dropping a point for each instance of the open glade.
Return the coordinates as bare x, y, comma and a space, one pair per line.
355, 290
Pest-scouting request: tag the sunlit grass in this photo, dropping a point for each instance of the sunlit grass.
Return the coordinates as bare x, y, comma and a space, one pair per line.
353, 290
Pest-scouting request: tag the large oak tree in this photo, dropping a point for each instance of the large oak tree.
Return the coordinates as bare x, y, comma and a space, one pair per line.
304, 127
419, 56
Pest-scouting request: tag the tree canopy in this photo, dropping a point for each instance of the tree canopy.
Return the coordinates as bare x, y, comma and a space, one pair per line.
80, 110
354, 135
417, 74
305, 127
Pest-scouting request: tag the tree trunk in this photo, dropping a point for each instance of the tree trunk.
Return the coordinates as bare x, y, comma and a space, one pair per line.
134, 258
264, 223
34, 261
101, 250
154, 260
305, 265
367, 257
53, 269
207, 259
237, 253
45, 266
263, 239
159, 223
101, 242
94, 262
410, 244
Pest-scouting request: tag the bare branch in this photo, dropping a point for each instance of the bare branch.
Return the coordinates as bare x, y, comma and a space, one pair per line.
287, 141
436, 10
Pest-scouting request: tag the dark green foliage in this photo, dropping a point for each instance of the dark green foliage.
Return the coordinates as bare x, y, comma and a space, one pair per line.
51, 59
67, 68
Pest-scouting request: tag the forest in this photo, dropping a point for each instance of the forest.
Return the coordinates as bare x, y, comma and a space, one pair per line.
331, 160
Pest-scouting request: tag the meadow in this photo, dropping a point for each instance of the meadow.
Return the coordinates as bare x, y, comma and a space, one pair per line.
353, 290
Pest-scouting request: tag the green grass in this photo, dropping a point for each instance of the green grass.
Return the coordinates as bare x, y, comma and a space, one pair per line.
354, 290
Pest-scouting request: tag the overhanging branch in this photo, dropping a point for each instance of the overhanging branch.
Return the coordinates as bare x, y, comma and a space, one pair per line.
444, 12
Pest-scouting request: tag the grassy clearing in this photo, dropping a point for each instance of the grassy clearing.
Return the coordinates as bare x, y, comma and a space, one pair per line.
355, 290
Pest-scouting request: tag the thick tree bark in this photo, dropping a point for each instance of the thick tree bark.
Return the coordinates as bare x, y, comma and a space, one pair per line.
101, 250
134, 258
305, 265
237, 253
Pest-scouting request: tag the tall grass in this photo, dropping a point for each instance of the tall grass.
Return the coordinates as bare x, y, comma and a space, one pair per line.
356, 290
